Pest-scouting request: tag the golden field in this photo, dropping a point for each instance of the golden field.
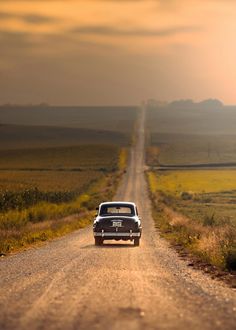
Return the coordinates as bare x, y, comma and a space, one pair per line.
197, 209
198, 181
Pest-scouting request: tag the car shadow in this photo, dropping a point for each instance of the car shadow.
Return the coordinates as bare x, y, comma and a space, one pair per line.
108, 245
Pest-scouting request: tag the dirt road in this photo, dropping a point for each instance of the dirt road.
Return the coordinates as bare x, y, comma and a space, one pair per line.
71, 284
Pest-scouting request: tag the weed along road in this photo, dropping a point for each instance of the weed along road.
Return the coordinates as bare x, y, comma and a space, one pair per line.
70, 283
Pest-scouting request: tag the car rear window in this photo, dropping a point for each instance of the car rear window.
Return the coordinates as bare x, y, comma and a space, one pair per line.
107, 210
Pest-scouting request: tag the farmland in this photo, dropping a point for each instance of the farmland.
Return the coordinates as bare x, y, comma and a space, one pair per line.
26, 137
197, 209
191, 135
197, 182
62, 158
53, 174
183, 149
194, 208
53, 177
47, 185
115, 119
186, 120
45, 126
46, 180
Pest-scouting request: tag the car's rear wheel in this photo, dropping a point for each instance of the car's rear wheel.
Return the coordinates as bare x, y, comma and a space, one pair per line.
98, 240
136, 241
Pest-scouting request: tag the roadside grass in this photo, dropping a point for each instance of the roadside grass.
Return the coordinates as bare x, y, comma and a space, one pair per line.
152, 155
196, 209
17, 239
123, 159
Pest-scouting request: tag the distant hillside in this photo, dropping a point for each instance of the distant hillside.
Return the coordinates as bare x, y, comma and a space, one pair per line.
18, 136
120, 119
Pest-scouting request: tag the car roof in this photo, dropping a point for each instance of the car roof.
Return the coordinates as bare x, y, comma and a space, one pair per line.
117, 202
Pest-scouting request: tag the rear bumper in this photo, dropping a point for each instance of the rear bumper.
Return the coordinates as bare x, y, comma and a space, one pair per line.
112, 235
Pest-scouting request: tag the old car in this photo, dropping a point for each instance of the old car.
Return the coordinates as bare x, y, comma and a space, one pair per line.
117, 221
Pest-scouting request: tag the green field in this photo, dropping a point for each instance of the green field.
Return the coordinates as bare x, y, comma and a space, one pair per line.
200, 211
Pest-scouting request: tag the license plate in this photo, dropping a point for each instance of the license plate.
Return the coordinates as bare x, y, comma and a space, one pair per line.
116, 224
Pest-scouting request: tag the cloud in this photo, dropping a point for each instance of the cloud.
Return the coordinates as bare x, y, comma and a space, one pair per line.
113, 31
28, 18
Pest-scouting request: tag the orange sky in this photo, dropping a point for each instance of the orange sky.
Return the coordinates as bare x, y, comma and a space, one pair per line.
116, 52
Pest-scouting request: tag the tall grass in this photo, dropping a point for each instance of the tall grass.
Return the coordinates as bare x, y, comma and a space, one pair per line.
11, 200
18, 228
123, 158
208, 236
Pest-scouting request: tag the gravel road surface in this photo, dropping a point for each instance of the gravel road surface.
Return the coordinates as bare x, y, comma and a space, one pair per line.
71, 284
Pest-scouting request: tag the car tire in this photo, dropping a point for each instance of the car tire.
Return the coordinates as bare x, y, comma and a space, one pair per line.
98, 241
136, 241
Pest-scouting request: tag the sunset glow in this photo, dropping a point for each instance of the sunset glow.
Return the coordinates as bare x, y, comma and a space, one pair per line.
117, 52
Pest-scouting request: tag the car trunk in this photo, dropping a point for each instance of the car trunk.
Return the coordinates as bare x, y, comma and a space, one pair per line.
117, 224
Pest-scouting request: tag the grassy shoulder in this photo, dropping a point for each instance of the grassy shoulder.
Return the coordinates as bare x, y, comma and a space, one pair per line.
196, 209
22, 225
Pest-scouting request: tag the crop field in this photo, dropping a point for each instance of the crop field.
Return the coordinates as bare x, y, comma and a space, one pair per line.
57, 174
30, 176
43, 127
46, 181
19, 137
95, 157
200, 194
56, 165
199, 210
44, 186
194, 209
187, 135
181, 149
195, 182
191, 121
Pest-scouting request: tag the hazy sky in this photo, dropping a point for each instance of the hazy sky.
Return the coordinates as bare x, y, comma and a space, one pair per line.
117, 52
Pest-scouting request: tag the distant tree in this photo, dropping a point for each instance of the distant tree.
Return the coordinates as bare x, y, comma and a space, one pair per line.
211, 103
190, 104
